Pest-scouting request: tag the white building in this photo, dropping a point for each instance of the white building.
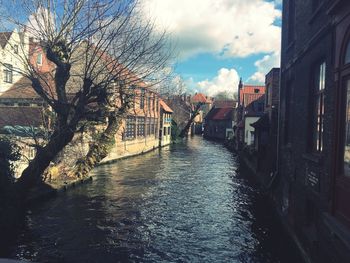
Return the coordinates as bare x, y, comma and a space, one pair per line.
14, 51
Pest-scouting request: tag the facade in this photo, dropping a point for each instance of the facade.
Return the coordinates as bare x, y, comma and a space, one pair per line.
218, 123
250, 109
139, 131
21, 109
266, 128
165, 124
13, 46
314, 181
182, 111
205, 108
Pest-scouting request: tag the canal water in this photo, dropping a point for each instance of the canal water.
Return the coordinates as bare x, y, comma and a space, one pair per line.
184, 203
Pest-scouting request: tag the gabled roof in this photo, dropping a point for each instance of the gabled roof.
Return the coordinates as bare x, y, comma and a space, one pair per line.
164, 106
22, 89
263, 122
252, 109
4, 38
250, 93
200, 97
219, 114
223, 114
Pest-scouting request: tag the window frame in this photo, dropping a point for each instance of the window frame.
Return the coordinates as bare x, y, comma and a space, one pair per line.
8, 73
318, 106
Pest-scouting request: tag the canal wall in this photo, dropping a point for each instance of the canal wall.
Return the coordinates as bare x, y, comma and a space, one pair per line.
269, 184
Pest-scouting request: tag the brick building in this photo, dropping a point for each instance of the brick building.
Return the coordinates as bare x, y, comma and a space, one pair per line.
266, 128
21, 108
313, 178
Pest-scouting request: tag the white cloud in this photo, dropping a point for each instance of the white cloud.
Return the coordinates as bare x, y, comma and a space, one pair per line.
231, 28
264, 65
226, 80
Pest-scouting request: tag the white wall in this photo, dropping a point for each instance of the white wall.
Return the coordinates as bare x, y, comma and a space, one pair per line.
8, 56
249, 130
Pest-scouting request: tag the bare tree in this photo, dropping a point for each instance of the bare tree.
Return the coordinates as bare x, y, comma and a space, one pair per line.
100, 50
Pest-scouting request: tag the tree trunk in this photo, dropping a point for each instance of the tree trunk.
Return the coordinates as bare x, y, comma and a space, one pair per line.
190, 121
32, 174
100, 148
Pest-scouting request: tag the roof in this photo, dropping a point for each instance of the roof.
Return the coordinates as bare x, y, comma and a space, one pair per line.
263, 122
225, 103
255, 108
21, 116
200, 97
4, 37
250, 93
165, 106
250, 98
22, 89
220, 114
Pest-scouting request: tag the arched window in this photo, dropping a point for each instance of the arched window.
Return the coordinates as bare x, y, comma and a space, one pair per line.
347, 53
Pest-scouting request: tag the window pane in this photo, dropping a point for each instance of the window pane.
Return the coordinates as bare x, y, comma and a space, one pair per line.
347, 133
320, 78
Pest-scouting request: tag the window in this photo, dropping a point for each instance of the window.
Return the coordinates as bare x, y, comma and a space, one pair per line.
318, 107
256, 90
142, 99
15, 49
23, 104
140, 126
8, 73
164, 132
149, 103
347, 132
130, 127
153, 102
168, 130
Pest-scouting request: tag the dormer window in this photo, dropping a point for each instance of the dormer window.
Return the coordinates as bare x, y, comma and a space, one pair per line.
256, 90
15, 49
39, 59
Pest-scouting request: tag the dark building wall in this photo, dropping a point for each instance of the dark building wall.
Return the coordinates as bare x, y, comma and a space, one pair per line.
305, 189
216, 129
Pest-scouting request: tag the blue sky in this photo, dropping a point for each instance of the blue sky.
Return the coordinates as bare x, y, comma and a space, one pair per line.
219, 41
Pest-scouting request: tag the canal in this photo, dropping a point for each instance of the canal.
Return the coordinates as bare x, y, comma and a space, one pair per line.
184, 203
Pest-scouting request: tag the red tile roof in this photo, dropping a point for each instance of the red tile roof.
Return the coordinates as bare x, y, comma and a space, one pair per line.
165, 106
248, 93
200, 97
223, 114
220, 114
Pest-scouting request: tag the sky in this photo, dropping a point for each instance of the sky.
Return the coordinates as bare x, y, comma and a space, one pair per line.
219, 41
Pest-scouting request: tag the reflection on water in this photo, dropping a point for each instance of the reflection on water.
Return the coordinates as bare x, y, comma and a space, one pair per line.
185, 203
